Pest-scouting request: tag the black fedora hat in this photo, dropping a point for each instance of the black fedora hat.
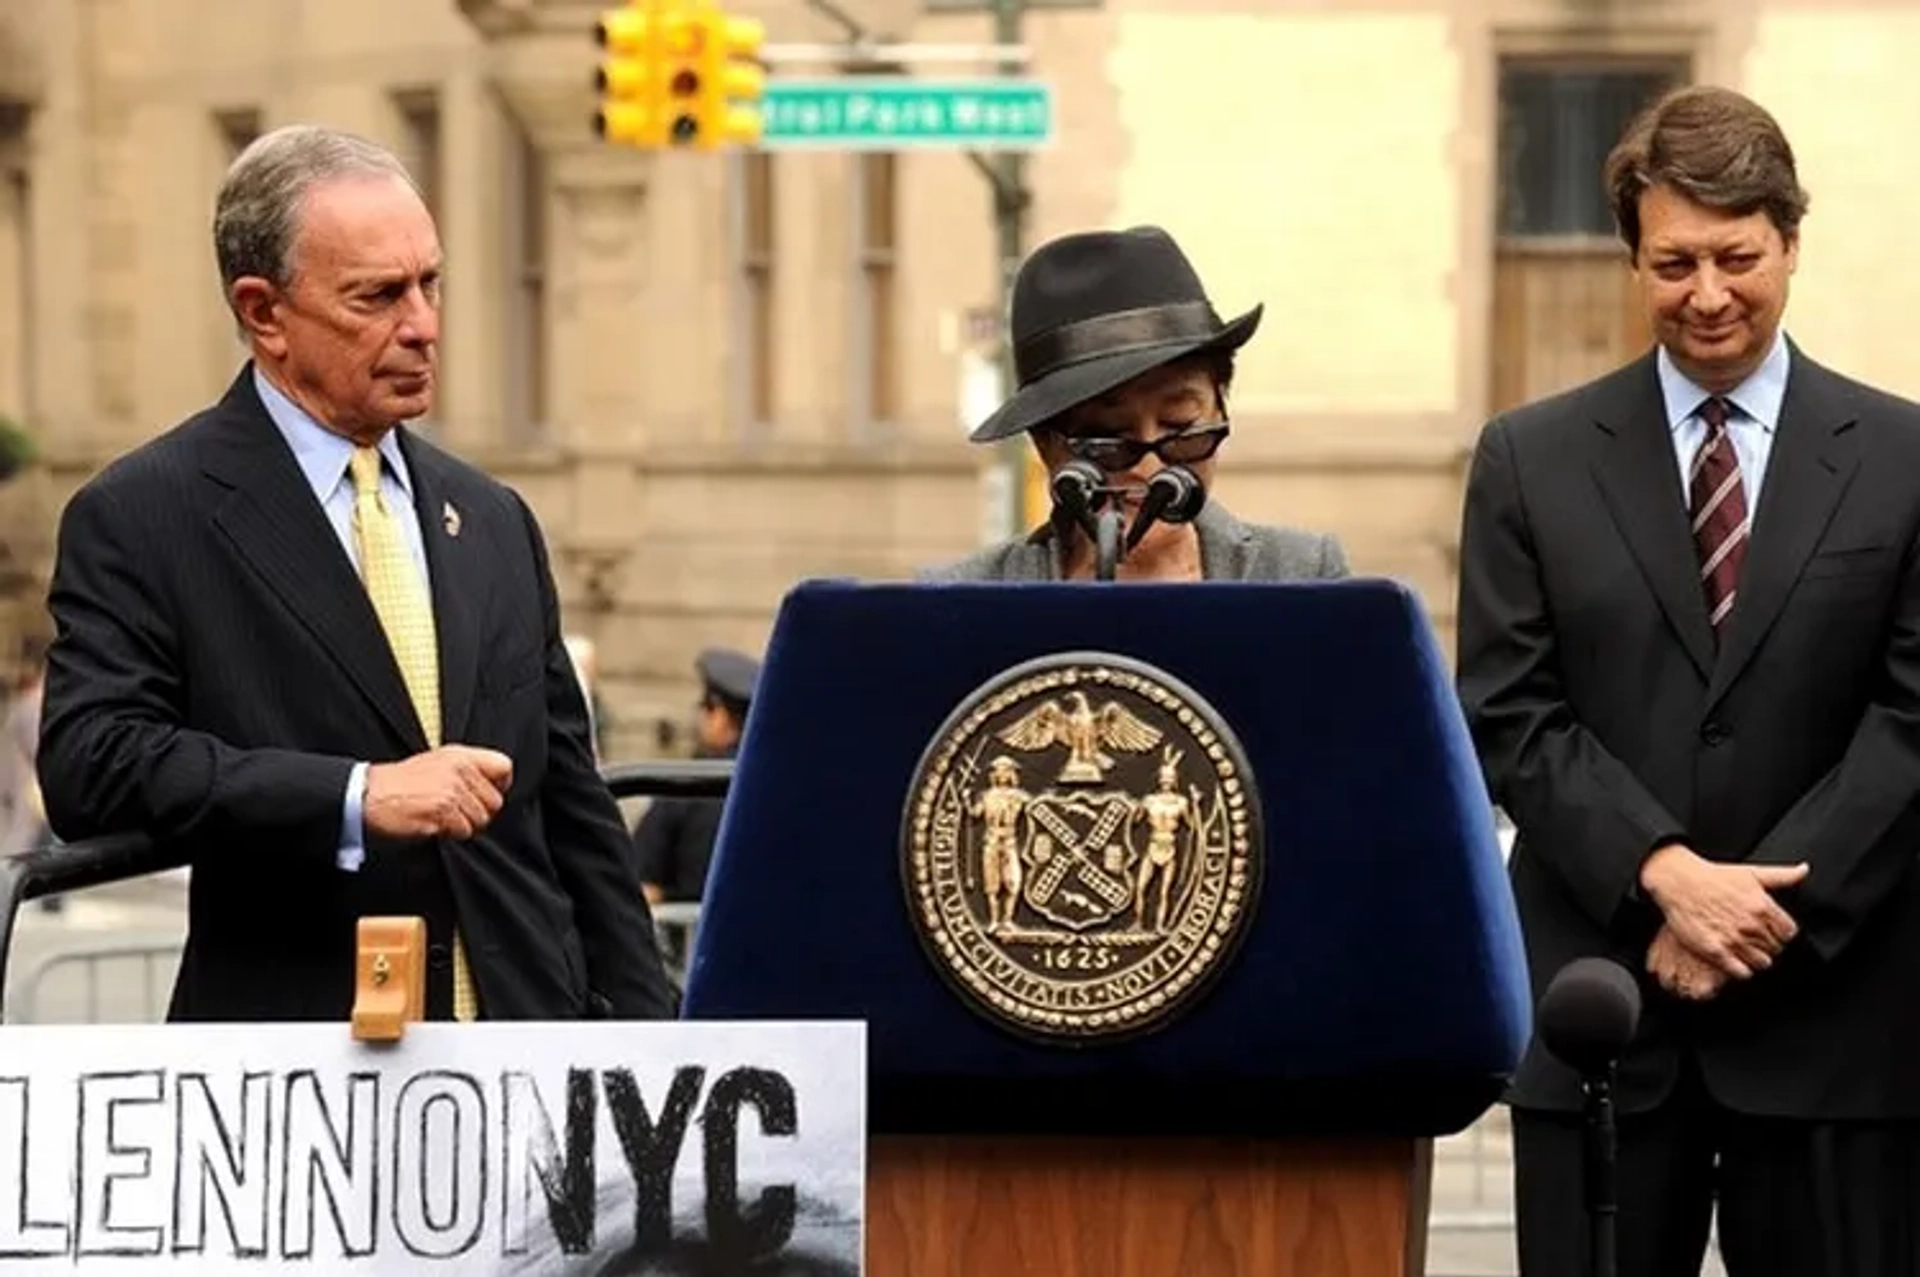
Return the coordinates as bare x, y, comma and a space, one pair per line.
1096, 309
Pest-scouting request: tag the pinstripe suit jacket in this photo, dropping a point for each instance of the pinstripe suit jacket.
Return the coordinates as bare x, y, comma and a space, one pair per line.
217, 671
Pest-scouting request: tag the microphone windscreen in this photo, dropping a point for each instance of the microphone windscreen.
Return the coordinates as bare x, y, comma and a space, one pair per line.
1185, 494
1589, 1013
1075, 483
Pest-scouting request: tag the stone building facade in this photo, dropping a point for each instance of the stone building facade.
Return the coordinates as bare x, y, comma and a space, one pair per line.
716, 375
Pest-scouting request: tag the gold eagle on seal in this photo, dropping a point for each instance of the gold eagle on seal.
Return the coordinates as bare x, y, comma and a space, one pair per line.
1084, 731
1082, 847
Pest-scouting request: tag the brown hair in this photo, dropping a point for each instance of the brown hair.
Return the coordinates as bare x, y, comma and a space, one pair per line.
1714, 146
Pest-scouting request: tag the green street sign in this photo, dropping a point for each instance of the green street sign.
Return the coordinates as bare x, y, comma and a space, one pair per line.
874, 114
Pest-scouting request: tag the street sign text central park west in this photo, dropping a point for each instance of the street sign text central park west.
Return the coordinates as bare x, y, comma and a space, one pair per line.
867, 113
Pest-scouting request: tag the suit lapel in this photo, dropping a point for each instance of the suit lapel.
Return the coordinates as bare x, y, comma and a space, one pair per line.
1226, 544
456, 565
275, 525
1639, 478
1813, 460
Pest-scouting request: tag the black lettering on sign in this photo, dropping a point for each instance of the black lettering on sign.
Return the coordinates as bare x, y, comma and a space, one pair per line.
345, 1163
440, 1111
105, 1154
22, 1236
531, 1156
230, 1158
767, 1226
651, 1148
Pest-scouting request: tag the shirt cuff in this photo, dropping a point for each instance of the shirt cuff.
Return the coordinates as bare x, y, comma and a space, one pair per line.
353, 834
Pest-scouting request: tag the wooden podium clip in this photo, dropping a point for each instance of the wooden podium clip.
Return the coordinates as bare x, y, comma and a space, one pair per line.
390, 978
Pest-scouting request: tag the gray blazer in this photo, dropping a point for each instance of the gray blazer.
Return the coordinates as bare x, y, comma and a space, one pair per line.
1229, 551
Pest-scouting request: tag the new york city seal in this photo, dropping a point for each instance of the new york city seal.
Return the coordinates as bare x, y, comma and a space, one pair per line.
1082, 847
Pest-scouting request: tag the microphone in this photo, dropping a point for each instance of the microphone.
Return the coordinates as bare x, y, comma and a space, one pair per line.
1589, 1013
1586, 1018
1174, 495
1078, 487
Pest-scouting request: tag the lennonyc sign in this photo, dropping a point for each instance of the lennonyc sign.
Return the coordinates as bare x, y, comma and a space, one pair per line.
493, 1148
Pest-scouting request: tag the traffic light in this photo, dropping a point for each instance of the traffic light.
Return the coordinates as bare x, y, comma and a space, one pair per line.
683, 74
679, 73
1036, 492
734, 81
628, 78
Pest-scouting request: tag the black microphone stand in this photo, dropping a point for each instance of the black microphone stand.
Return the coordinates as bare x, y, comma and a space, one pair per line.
1107, 548
1603, 1197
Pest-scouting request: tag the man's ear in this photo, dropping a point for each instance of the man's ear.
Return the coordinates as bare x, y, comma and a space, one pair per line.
256, 302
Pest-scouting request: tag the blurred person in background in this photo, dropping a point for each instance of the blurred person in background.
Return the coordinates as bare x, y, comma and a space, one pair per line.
585, 656
674, 836
1123, 362
301, 644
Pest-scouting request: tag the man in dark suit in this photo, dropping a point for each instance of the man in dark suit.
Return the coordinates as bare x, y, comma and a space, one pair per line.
323, 657
1690, 656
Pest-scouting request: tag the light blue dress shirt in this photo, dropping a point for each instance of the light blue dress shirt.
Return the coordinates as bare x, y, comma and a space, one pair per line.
323, 457
1751, 425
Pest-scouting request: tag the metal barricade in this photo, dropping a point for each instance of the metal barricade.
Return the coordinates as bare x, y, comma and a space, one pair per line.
132, 983
41, 985
79, 866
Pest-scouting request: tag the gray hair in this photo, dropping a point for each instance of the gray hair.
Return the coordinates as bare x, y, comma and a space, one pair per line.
257, 214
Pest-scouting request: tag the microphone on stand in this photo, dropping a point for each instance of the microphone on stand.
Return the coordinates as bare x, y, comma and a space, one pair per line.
1588, 1014
1174, 495
1081, 489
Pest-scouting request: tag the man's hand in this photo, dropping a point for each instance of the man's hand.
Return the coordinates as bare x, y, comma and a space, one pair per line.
451, 792
1723, 913
1681, 971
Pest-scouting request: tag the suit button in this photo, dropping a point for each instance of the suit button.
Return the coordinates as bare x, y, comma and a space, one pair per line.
1715, 732
439, 957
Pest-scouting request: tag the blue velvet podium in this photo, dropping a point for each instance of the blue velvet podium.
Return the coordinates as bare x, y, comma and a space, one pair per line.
1377, 1000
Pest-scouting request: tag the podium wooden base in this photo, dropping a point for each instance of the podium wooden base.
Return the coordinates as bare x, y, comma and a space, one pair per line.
1022, 1207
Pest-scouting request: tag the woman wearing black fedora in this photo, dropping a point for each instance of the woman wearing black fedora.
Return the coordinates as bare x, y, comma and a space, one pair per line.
1122, 362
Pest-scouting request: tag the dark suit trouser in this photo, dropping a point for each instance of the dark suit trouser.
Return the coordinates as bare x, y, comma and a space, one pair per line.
1796, 1199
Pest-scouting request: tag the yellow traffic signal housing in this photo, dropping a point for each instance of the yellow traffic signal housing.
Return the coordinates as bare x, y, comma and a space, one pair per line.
679, 73
683, 71
1036, 493
735, 82
628, 78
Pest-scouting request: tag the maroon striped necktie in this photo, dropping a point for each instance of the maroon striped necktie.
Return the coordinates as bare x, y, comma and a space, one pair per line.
1719, 504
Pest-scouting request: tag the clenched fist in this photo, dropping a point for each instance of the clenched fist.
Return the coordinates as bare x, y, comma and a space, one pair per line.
451, 792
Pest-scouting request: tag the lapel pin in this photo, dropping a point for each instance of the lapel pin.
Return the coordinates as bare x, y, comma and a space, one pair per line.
450, 518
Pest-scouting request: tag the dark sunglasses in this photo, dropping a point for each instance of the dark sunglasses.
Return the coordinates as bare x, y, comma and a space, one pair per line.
1114, 453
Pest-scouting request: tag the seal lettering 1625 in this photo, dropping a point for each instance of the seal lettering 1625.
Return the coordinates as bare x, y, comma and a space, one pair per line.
1082, 847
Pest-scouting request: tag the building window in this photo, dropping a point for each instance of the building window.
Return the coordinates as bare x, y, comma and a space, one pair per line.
1556, 127
234, 129
419, 112
876, 222
16, 266
525, 199
755, 220
1564, 308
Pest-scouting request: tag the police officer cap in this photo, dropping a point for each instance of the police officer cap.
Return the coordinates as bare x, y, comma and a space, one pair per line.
730, 674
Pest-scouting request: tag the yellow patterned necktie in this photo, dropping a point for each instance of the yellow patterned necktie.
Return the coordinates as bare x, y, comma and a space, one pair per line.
405, 609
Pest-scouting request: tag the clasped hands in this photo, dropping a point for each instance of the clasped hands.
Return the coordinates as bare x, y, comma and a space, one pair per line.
1722, 922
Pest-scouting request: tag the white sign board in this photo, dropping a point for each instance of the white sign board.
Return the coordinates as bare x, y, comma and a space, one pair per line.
470, 1149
